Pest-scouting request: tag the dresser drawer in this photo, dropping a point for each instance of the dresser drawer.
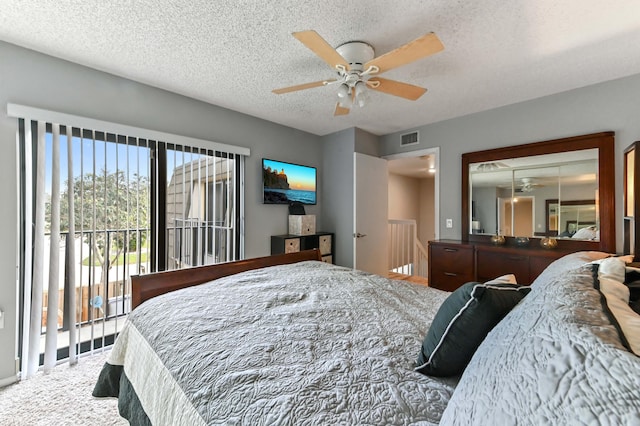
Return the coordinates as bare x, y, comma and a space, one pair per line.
537, 264
292, 245
456, 259
450, 265
325, 244
447, 280
492, 264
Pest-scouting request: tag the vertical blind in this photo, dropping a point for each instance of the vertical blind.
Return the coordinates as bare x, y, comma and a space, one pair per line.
138, 205
88, 218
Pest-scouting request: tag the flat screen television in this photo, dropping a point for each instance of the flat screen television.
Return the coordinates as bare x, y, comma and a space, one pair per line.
284, 183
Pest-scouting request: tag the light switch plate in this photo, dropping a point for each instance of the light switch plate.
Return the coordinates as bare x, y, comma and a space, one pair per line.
449, 223
1, 319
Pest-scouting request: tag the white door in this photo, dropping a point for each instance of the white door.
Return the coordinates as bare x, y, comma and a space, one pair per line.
370, 213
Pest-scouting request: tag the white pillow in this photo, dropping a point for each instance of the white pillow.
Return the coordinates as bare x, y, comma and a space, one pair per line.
588, 233
611, 274
612, 267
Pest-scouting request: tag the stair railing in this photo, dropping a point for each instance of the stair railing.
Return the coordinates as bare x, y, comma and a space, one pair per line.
407, 255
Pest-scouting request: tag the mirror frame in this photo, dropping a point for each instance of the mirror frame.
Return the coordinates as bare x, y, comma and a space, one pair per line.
605, 144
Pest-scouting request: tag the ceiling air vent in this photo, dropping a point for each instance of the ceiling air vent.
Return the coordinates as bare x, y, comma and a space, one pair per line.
409, 139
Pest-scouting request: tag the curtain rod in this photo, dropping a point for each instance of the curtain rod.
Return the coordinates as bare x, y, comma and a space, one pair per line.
27, 112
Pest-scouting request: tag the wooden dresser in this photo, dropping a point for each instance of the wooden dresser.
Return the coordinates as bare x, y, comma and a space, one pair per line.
453, 263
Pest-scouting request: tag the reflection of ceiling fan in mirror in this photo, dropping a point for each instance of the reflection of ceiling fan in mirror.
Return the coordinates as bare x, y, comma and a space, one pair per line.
358, 68
528, 185
491, 166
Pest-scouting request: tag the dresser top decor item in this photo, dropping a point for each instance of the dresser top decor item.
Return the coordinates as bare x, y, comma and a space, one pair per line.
497, 240
302, 224
548, 243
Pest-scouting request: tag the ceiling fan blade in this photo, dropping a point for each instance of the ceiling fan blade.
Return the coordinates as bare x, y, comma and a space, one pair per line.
320, 47
340, 110
301, 87
419, 48
396, 88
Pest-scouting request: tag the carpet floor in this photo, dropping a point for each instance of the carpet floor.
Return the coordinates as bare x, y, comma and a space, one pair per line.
62, 397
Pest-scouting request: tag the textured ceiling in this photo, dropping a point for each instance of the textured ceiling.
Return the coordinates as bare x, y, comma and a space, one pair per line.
233, 53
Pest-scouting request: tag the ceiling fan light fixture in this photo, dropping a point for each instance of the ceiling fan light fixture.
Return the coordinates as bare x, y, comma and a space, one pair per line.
362, 100
345, 102
344, 91
360, 89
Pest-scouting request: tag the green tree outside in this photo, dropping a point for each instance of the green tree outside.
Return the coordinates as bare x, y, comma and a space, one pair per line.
107, 201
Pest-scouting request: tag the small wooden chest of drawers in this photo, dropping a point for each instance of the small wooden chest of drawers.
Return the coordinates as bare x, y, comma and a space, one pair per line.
290, 243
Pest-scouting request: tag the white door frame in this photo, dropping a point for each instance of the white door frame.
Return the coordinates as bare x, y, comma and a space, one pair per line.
436, 195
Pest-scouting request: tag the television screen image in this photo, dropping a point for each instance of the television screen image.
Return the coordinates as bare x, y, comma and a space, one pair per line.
284, 183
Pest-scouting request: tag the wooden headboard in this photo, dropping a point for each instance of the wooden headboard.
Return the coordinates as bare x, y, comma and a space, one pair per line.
144, 287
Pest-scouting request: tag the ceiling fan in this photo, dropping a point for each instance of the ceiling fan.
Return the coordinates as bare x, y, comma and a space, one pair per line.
528, 185
491, 166
358, 68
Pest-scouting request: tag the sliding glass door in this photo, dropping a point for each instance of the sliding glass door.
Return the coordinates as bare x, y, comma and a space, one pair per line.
113, 206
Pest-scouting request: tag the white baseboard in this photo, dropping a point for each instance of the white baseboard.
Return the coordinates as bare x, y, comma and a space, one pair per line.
8, 381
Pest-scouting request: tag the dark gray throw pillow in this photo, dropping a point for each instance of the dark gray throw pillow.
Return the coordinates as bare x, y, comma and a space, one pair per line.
461, 324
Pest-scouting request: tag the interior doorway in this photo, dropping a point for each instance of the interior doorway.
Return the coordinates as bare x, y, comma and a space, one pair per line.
414, 190
413, 194
516, 216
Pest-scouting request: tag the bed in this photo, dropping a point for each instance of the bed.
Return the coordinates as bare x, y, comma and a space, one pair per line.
287, 343
312, 343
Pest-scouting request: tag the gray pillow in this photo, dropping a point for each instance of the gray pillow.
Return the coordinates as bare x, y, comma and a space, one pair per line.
462, 323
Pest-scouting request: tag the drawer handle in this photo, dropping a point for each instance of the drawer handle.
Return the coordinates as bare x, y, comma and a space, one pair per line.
450, 250
517, 258
450, 274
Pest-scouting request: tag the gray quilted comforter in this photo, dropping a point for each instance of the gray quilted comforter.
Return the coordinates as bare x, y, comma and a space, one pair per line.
556, 359
307, 343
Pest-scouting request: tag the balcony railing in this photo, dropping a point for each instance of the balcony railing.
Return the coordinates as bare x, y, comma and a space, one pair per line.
104, 261
196, 242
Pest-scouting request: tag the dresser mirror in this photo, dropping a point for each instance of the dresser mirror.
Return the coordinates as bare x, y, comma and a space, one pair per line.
566, 219
562, 189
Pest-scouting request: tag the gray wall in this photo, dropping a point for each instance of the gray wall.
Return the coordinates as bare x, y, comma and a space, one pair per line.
486, 209
612, 105
338, 185
366, 143
426, 224
37, 80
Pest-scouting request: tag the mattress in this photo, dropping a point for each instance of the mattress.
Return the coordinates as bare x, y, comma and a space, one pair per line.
306, 343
